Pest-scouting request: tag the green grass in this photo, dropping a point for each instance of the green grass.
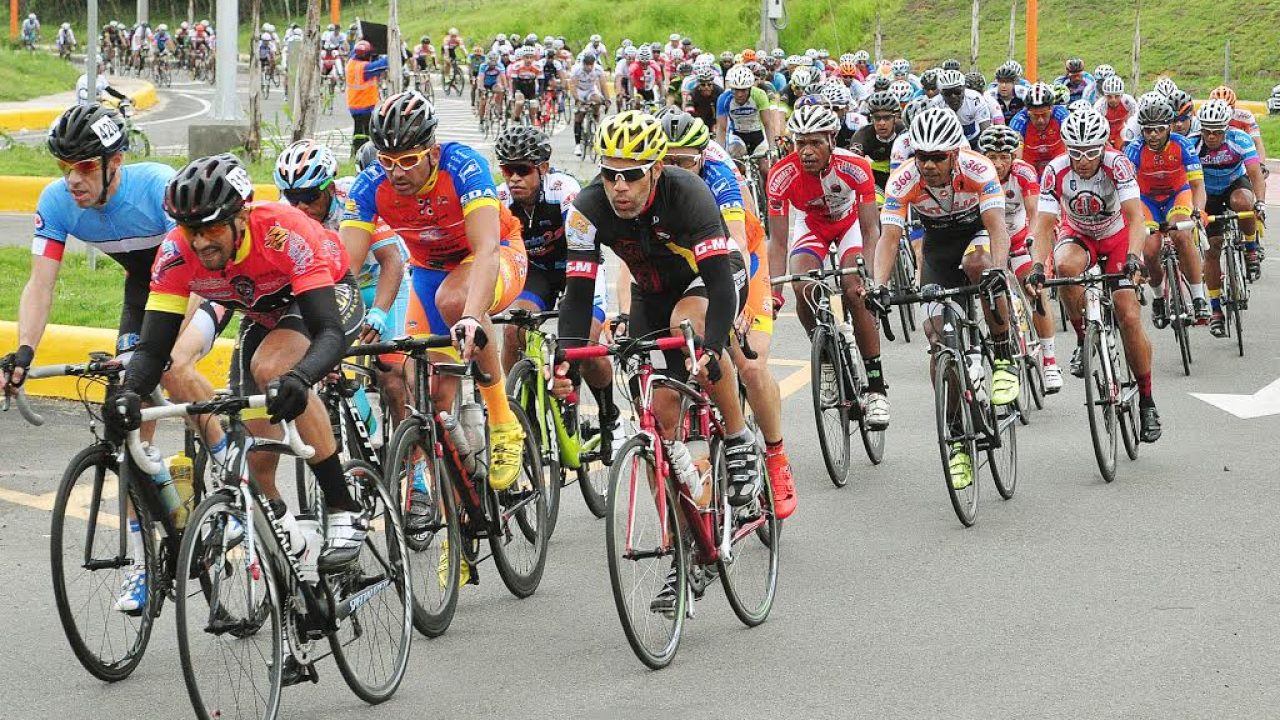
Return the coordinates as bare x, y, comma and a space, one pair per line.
24, 75
1270, 126
36, 160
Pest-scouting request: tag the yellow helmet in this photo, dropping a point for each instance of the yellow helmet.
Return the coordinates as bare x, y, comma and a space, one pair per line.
631, 135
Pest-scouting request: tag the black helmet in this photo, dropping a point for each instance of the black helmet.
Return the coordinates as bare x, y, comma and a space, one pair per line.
883, 101
951, 64
1007, 73
929, 79
881, 83
683, 129
975, 80
1075, 65
522, 143
209, 190
366, 155
1155, 111
87, 131
1181, 102
404, 121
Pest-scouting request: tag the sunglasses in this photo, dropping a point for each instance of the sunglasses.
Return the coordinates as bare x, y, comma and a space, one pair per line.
688, 162
1152, 129
883, 117
628, 175
521, 169
931, 157
302, 196
953, 92
84, 167
1089, 154
405, 162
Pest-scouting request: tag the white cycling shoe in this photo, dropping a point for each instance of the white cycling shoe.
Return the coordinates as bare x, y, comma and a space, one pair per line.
877, 414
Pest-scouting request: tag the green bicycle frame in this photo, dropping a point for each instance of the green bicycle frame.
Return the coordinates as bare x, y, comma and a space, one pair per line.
571, 446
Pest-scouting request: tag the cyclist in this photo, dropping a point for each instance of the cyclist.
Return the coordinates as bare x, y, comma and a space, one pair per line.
739, 110
834, 192
1231, 171
1092, 192
596, 47
1079, 83
1243, 119
162, 40
424, 54
902, 151
1171, 182
969, 105
1117, 107
956, 194
590, 92
101, 89
1009, 90
31, 30
362, 89
463, 266
493, 78
66, 39
1000, 144
875, 140
1040, 124
702, 93
645, 76
523, 76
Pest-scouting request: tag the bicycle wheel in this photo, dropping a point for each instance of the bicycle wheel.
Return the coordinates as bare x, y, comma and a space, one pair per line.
955, 433
593, 477
87, 570
750, 574
1233, 302
371, 645
1023, 344
1099, 398
230, 634
435, 544
902, 279
523, 385
139, 143
640, 555
519, 519
1003, 460
830, 406
1176, 305
872, 440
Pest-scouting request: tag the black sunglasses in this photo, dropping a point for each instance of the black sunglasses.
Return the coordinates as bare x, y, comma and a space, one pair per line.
931, 157
628, 175
302, 196
521, 169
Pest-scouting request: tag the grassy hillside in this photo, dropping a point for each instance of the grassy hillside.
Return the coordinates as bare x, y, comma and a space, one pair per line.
25, 75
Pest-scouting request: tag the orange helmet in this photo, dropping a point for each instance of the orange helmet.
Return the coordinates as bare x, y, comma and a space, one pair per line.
1224, 93
748, 55
849, 69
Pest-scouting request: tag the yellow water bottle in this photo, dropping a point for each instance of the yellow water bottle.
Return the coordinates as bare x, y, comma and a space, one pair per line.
183, 471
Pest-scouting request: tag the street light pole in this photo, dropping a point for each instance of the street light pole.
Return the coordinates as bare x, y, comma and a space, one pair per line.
91, 49
225, 106
143, 12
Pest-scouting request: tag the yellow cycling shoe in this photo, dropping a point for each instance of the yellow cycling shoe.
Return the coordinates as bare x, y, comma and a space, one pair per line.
960, 467
442, 570
1004, 383
506, 454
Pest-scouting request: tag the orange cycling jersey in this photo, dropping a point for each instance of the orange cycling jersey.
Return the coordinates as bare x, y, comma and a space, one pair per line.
974, 189
1165, 171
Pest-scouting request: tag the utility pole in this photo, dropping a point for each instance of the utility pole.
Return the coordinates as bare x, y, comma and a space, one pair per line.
91, 48
253, 141
973, 37
1033, 55
394, 45
225, 106
768, 30
143, 12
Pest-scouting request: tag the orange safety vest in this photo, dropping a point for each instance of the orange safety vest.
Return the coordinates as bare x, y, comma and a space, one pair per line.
361, 93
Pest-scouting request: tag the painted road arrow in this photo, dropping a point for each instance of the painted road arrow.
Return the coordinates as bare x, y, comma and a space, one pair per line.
1246, 407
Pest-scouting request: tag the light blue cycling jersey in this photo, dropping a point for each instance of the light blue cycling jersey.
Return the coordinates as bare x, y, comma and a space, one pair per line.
133, 218
371, 270
1226, 164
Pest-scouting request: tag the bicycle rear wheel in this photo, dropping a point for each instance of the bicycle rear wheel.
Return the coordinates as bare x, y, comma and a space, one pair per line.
750, 575
830, 406
434, 543
1099, 398
903, 279
640, 555
593, 477
1233, 302
1003, 460
518, 516
955, 434
1179, 313
371, 645
872, 440
230, 639
523, 385
84, 543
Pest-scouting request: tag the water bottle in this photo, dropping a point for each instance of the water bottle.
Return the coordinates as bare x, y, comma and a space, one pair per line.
977, 375
837, 306
365, 410
846, 332
375, 408
182, 469
458, 439
700, 454
303, 540
682, 465
471, 417
164, 483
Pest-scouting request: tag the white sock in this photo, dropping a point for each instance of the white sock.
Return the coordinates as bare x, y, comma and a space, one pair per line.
136, 550
1197, 290
1048, 345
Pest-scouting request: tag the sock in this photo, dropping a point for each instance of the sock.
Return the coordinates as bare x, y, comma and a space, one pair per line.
136, 550
1078, 324
1144, 385
743, 435
604, 401
1003, 349
773, 448
1251, 241
218, 451
333, 484
1197, 290
1050, 351
1215, 300
495, 399
875, 375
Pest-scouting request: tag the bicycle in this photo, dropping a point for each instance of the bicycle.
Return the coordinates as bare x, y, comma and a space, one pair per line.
65, 50
267, 75
656, 520
259, 615
839, 378
569, 442
967, 421
903, 281
139, 143
90, 553
590, 121
1110, 389
421, 81
161, 72
1235, 276
433, 447
1028, 353
452, 79
1175, 291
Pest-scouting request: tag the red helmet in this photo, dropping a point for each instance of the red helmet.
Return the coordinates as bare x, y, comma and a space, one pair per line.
363, 50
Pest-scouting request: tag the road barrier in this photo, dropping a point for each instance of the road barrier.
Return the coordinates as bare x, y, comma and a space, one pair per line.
39, 117
21, 193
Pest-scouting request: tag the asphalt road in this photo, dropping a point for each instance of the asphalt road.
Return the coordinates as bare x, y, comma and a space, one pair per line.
1152, 597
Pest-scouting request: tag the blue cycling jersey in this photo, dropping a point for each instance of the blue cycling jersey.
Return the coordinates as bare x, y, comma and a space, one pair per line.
1226, 164
133, 218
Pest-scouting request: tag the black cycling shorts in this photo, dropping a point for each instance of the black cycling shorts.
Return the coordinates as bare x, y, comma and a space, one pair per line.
943, 252
1219, 203
543, 287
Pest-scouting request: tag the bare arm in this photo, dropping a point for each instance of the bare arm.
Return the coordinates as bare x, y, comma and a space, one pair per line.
1198, 196
869, 225
1133, 216
483, 229
993, 221
779, 243
1257, 180
37, 299
389, 277
1042, 231
886, 254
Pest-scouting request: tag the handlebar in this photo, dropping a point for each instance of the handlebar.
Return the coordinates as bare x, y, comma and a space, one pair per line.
813, 275
27, 412
103, 366
412, 345
524, 318
1193, 223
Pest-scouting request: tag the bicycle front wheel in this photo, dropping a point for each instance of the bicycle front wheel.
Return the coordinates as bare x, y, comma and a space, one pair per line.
956, 442
371, 646
523, 385
230, 639
1099, 398
518, 515
830, 406
1127, 411
644, 550
87, 568
750, 573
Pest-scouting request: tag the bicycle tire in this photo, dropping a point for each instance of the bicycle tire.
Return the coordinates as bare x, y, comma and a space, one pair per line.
622, 478
1234, 303
1098, 403
1002, 461
902, 278
831, 412
872, 440
263, 622
391, 560
1176, 307
434, 598
523, 387
948, 399
1127, 412
514, 504
768, 535
101, 460
1026, 339
593, 477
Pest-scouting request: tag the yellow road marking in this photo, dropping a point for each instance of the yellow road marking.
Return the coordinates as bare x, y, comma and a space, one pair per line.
796, 380
45, 503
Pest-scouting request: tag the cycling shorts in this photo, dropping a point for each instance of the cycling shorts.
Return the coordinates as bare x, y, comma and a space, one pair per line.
942, 255
752, 139
1019, 252
1108, 252
527, 88
1159, 209
350, 313
815, 237
1219, 203
543, 288
424, 317
395, 316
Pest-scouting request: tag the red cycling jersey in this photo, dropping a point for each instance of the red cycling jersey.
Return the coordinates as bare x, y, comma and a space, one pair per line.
283, 253
828, 198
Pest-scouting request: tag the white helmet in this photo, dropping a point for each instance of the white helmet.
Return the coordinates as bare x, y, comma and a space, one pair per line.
1113, 85
531, 38
502, 37
778, 53
862, 56
803, 79
66, 26
901, 66
1215, 115
740, 77
160, 28
902, 90
704, 60
813, 119
631, 52
595, 38
704, 73
1080, 105
1085, 130
269, 28
674, 37
184, 25
1165, 86
836, 94
626, 42
948, 79
265, 36
1103, 71
644, 54
453, 31
936, 129
811, 53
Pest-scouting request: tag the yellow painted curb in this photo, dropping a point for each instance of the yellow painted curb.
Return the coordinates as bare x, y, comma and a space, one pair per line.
70, 344
39, 118
21, 193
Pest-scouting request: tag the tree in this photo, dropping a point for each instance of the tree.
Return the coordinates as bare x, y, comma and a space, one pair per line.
253, 141
307, 100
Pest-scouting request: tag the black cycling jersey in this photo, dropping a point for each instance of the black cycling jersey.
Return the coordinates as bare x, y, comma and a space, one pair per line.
866, 143
542, 227
678, 239
1010, 106
703, 105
